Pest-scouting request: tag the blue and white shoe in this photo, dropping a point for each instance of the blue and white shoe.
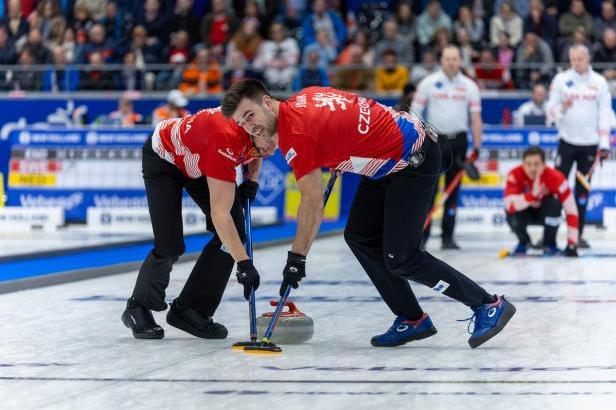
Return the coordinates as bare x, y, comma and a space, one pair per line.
404, 331
552, 250
490, 319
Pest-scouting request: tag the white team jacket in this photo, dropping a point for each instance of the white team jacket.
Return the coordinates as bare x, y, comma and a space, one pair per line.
587, 121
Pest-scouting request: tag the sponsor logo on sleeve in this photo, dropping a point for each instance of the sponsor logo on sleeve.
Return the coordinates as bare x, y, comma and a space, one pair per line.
291, 154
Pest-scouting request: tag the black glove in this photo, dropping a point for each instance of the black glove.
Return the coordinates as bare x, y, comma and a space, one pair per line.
571, 251
603, 155
293, 272
248, 190
248, 276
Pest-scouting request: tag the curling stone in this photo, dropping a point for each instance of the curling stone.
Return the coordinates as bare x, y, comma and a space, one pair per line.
293, 326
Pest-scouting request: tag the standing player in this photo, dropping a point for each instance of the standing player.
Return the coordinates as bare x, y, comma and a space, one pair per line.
448, 96
535, 194
198, 153
581, 107
325, 127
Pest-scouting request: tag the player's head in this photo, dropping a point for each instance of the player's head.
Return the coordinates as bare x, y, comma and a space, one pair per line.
450, 60
533, 161
539, 93
579, 57
253, 108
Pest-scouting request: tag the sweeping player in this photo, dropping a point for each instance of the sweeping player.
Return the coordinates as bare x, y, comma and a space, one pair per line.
198, 153
325, 127
581, 107
448, 96
536, 194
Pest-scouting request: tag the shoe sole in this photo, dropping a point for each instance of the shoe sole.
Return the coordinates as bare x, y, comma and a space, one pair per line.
502, 322
424, 335
178, 323
128, 323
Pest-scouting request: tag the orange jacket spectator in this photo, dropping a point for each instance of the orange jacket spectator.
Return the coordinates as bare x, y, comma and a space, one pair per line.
176, 101
203, 76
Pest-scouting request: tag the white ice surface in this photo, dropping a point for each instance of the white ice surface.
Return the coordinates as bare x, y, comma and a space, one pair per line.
65, 347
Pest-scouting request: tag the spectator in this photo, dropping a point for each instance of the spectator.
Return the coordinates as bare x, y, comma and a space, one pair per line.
579, 38
238, 70
406, 98
506, 21
362, 40
537, 54
218, 26
98, 43
155, 22
131, 77
474, 26
326, 50
532, 112
538, 21
355, 75
62, 76
203, 76
428, 66
116, 26
468, 53
278, 58
429, 21
95, 76
124, 116
605, 55
35, 44
311, 74
322, 18
15, 21
180, 42
390, 76
56, 33
47, 14
26, 78
504, 53
521, 7
440, 41
392, 40
606, 20
490, 75
577, 16
255, 10
406, 23
185, 19
96, 8
247, 39
8, 54
175, 107
170, 78
146, 52
82, 22
68, 45
292, 21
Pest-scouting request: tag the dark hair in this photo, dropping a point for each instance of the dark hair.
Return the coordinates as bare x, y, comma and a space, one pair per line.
251, 89
534, 150
390, 52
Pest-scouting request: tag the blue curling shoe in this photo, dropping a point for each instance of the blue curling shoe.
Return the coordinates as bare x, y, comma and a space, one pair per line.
404, 331
552, 250
520, 249
490, 319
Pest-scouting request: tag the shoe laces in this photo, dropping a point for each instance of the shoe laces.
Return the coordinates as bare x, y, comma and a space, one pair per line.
471, 321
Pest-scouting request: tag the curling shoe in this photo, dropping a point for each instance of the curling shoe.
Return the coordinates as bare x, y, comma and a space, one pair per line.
449, 243
552, 250
404, 331
521, 249
490, 319
140, 320
188, 320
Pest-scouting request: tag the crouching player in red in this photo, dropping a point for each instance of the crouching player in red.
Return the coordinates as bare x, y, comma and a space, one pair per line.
325, 127
535, 195
198, 153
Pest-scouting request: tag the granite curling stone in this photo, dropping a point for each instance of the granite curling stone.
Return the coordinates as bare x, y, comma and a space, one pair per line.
293, 326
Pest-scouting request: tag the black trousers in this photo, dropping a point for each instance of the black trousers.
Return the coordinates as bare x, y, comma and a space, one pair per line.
583, 156
385, 229
453, 151
205, 286
547, 215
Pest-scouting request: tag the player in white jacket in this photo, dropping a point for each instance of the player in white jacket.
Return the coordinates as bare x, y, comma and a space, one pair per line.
580, 106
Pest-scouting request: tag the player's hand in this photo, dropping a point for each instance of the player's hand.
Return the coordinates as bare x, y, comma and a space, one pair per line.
603, 155
566, 105
293, 272
571, 250
474, 155
248, 190
248, 276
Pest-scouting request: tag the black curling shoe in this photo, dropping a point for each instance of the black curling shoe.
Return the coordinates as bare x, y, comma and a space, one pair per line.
188, 320
140, 320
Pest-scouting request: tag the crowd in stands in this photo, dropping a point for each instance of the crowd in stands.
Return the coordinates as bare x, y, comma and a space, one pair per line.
204, 46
